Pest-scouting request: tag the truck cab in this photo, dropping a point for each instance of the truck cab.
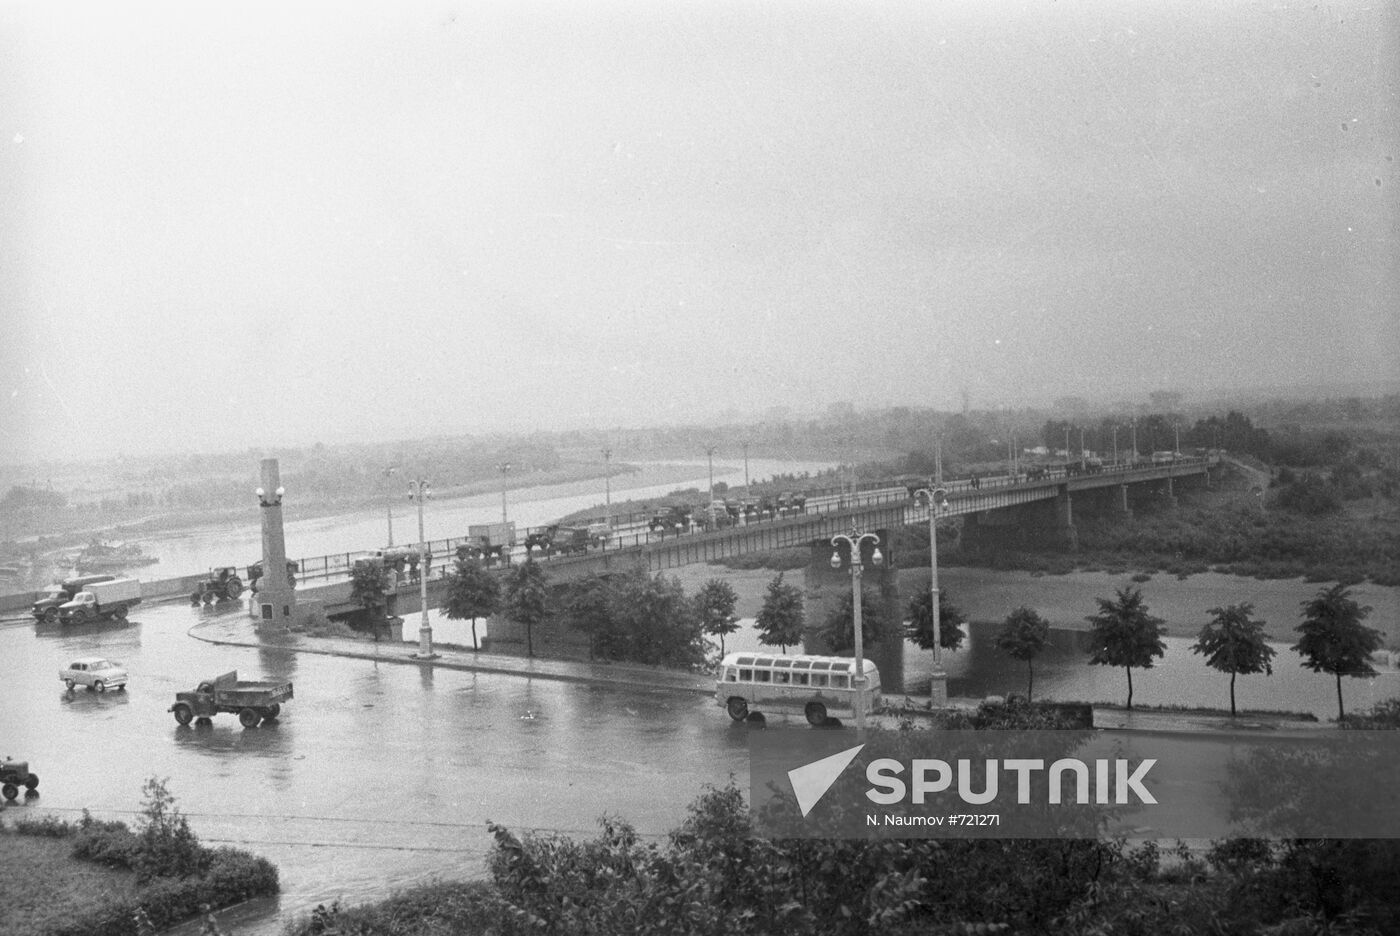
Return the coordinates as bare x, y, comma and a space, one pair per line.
58, 594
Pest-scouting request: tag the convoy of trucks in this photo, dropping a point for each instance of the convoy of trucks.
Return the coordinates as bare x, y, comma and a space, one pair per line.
60, 593
253, 701
99, 600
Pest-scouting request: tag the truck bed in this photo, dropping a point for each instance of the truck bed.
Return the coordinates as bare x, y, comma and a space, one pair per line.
247, 692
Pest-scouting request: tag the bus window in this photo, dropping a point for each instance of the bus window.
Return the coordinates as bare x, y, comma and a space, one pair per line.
818, 680
802, 664
799, 679
819, 664
780, 677
730, 675
745, 675
760, 676
782, 663
838, 682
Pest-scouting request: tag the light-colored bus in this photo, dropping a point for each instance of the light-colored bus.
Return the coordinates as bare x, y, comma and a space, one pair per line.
816, 686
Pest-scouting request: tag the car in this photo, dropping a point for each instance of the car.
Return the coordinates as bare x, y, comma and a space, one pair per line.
97, 673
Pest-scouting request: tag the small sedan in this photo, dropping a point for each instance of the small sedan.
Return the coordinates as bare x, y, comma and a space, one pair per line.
97, 673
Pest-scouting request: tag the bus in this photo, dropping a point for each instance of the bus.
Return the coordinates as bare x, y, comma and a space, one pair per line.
816, 686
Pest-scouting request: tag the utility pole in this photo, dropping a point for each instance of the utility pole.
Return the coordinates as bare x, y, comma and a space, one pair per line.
389, 502
505, 467
607, 487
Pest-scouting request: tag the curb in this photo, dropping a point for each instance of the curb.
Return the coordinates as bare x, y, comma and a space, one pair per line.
457, 665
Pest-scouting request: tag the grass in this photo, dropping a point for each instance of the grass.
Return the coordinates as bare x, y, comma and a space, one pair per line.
43, 884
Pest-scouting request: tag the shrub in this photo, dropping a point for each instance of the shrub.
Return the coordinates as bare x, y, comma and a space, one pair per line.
46, 826
105, 841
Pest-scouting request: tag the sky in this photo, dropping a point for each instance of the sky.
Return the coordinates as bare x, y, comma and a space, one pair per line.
239, 225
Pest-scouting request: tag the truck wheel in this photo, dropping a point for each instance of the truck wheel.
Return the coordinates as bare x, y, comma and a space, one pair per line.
207, 597
99, 686
120, 613
737, 708
50, 615
69, 684
233, 588
272, 711
816, 714
183, 713
10, 790
80, 616
249, 717
31, 782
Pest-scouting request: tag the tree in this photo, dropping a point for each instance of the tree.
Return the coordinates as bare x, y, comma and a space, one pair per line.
369, 588
588, 607
840, 628
1023, 636
527, 599
1125, 634
472, 593
1334, 639
656, 621
714, 603
919, 628
1234, 643
779, 621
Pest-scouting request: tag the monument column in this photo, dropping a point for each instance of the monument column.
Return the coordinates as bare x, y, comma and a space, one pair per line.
275, 604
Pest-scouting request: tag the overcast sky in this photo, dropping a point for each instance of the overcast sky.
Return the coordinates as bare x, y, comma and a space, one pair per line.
232, 225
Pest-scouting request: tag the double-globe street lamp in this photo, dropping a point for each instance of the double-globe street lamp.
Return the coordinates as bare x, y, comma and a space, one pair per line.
418, 491
854, 541
937, 500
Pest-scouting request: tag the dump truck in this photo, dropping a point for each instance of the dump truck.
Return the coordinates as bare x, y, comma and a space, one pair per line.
97, 600
253, 701
60, 593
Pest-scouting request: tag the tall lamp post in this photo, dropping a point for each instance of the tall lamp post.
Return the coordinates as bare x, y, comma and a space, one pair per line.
607, 488
504, 467
418, 492
854, 541
1115, 445
389, 503
937, 499
710, 455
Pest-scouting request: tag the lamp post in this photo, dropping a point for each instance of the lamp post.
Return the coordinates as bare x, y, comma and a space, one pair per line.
710, 455
418, 492
1135, 448
389, 503
504, 467
746, 468
607, 488
1081, 448
937, 499
854, 540
1115, 445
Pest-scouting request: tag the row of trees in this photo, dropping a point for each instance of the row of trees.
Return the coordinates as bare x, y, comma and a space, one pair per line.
1332, 640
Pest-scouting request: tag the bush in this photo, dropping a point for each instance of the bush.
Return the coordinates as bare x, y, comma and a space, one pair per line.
45, 826
106, 842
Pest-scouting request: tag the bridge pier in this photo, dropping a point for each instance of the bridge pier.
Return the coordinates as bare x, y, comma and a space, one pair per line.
1123, 507
1064, 516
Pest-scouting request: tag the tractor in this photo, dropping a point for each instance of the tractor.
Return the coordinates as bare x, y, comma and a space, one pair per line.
15, 774
222, 584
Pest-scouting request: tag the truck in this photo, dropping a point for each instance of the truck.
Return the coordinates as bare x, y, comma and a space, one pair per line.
60, 593
253, 701
98, 600
488, 541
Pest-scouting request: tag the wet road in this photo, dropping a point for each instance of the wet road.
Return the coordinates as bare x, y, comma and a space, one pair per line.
377, 775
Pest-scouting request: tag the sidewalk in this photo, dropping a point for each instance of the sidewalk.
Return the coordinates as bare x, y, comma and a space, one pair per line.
238, 631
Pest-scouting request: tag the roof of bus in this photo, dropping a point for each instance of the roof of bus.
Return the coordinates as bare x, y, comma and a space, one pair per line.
794, 660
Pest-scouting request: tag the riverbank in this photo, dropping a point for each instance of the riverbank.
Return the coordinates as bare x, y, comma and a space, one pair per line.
989, 595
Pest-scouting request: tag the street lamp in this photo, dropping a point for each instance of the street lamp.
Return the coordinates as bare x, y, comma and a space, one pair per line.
710, 454
607, 488
389, 502
746, 468
937, 500
854, 541
418, 492
504, 467
1115, 445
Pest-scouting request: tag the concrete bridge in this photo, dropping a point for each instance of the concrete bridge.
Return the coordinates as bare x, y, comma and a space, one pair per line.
989, 506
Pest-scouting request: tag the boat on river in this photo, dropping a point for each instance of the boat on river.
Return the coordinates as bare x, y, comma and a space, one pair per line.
111, 557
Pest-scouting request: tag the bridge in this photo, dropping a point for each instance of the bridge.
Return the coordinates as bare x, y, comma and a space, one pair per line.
1010, 502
